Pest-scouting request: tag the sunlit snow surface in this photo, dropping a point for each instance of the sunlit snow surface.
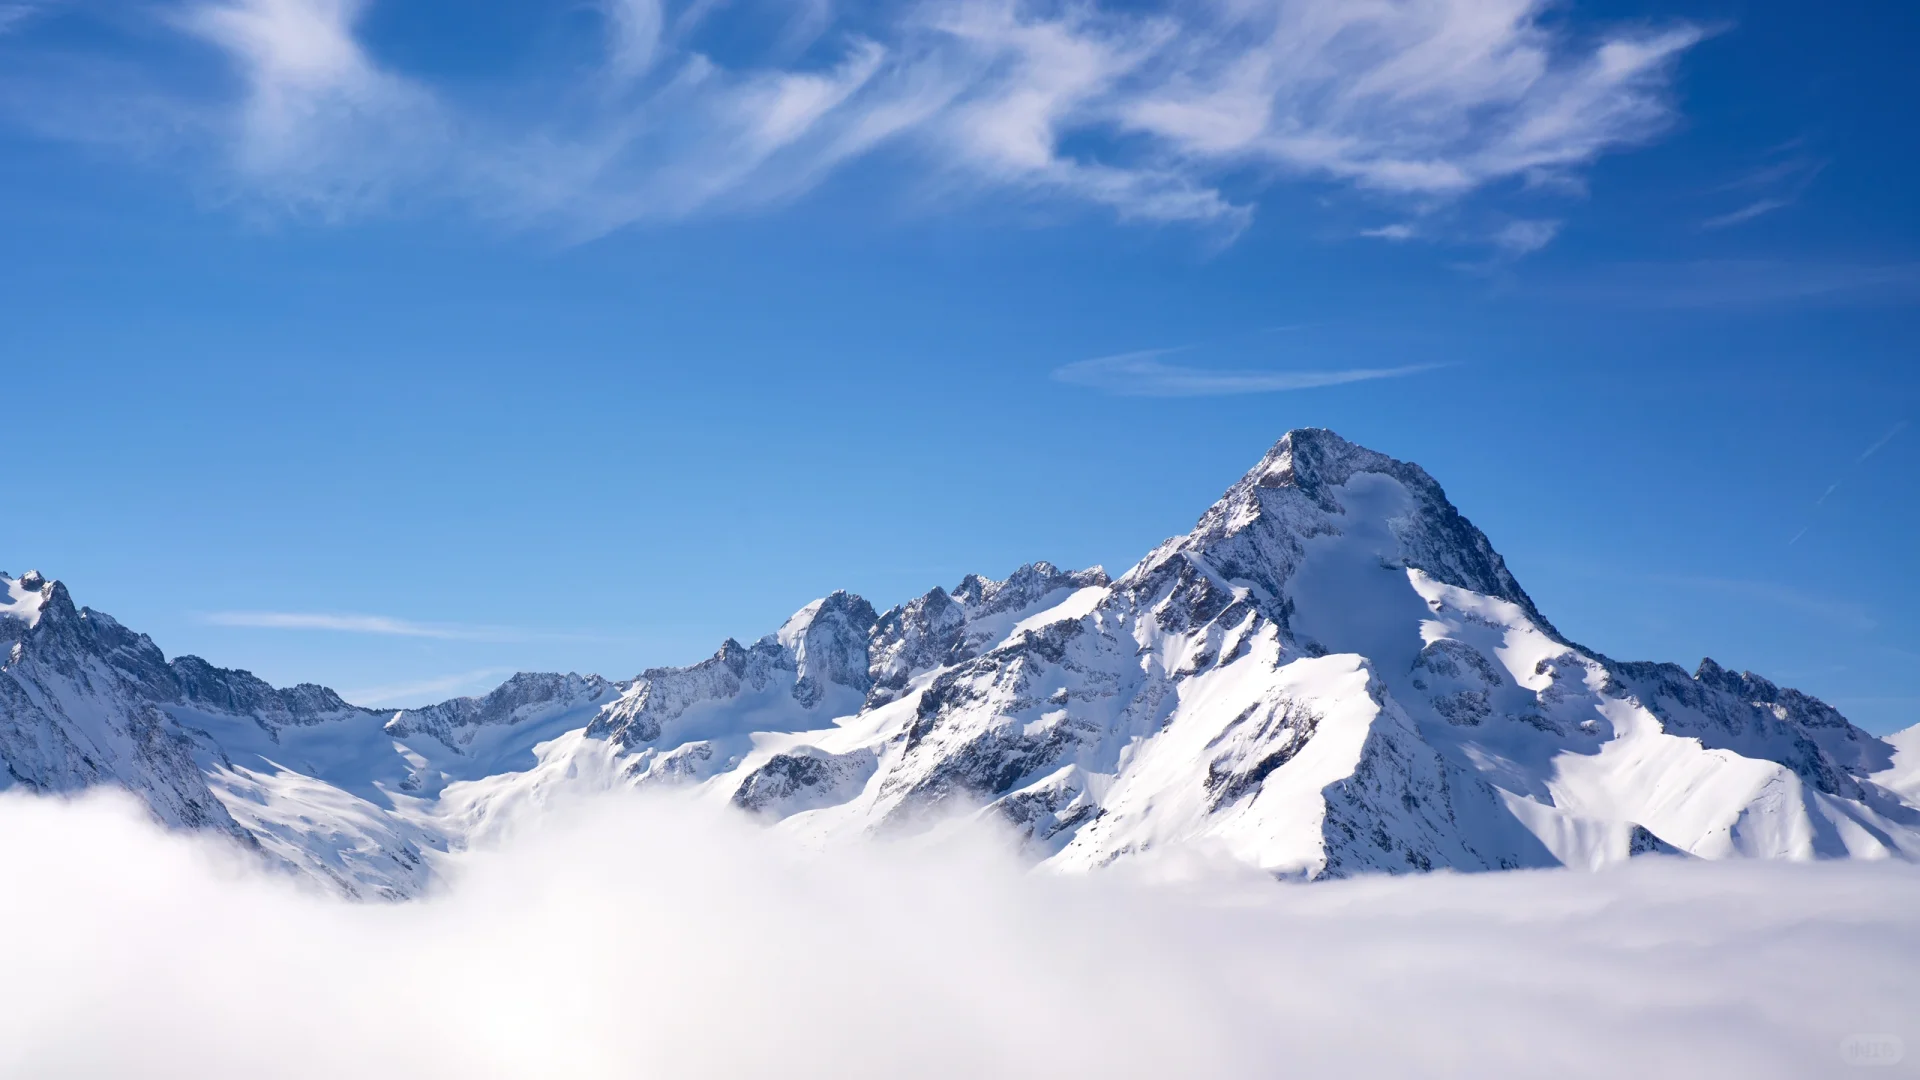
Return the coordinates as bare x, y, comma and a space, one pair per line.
628, 935
20, 599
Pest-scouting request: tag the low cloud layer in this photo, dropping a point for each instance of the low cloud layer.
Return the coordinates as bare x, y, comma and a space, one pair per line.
633, 937
1157, 112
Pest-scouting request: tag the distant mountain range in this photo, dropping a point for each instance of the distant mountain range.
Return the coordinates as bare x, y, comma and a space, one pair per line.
1332, 674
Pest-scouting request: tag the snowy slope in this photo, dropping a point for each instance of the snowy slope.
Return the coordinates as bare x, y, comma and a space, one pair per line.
79, 706
1333, 673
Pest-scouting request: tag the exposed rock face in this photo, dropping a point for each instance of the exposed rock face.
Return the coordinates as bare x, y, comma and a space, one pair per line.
80, 705
526, 696
828, 639
941, 629
662, 695
1332, 673
803, 780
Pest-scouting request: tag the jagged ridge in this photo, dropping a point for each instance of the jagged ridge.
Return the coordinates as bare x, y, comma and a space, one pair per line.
1333, 672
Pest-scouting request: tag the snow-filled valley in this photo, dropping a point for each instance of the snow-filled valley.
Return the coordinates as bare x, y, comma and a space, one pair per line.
1333, 674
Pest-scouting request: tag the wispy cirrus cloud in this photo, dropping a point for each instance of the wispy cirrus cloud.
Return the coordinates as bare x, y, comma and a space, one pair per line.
1518, 239
390, 626
1506, 243
1145, 374
1395, 232
320, 124
1143, 110
1769, 187
1746, 213
408, 694
348, 623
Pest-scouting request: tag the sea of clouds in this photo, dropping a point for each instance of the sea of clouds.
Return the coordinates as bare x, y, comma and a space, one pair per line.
627, 936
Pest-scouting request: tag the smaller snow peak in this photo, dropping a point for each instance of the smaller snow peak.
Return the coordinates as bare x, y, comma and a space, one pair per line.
30, 596
1710, 671
532, 688
731, 653
795, 627
528, 695
972, 588
1742, 684
1036, 575
849, 606
549, 683
985, 596
838, 607
1785, 703
828, 640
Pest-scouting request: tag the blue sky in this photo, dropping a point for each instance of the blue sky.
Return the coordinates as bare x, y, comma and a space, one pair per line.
400, 346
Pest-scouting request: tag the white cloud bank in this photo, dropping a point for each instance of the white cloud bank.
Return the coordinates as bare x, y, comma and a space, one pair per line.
1158, 112
631, 938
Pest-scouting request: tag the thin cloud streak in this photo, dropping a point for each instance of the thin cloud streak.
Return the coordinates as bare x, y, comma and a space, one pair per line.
1144, 374
1746, 213
382, 625
1779, 185
389, 626
1519, 239
425, 691
1878, 445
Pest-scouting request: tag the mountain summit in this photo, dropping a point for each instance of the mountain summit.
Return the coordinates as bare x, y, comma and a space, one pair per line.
1333, 673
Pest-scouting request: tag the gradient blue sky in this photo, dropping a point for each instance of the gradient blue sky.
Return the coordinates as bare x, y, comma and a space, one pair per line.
460, 338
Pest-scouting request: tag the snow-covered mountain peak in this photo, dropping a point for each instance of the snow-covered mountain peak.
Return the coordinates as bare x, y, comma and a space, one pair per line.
1313, 458
837, 608
233, 692
527, 696
985, 596
940, 628
24, 598
1312, 491
828, 640
1314, 482
20, 599
38, 608
1332, 673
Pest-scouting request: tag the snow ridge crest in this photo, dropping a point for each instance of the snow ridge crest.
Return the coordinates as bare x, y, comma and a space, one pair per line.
1332, 673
